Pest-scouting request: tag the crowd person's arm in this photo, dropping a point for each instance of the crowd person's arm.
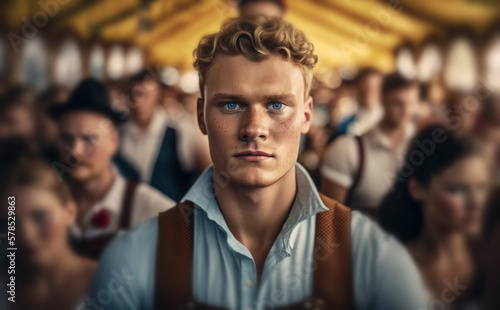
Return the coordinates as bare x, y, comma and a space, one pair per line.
333, 190
339, 167
385, 276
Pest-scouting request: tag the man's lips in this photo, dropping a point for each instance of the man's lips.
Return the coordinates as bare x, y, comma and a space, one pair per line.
253, 155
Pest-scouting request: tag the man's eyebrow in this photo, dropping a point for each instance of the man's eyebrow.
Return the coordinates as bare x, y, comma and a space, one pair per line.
227, 96
278, 97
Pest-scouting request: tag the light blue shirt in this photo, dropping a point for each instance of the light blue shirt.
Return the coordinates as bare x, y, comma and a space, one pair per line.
224, 271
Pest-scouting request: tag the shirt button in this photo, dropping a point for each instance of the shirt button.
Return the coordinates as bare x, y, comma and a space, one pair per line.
249, 283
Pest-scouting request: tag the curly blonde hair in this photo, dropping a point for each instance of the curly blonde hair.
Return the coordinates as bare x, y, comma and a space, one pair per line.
257, 38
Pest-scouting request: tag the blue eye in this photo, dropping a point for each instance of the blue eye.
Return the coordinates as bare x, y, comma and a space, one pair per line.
276, 105
231, 105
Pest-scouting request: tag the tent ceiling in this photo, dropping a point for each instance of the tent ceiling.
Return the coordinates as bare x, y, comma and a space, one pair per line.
345, 32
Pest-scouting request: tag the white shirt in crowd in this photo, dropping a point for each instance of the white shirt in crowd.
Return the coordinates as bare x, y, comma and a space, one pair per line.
147, 203
141, 148
365, 120
381, 164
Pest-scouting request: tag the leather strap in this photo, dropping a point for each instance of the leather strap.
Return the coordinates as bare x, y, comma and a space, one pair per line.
333, 286
174, 258
128, 199
332, 252
359, 172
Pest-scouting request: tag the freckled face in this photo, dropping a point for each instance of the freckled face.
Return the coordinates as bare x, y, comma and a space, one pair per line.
456, 196
254, 114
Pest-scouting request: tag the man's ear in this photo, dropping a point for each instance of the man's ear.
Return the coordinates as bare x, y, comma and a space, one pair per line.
308, 111
71, 212
115, 137
201, 116
415, 189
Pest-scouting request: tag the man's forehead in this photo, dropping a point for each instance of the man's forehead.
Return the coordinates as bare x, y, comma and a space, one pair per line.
240, 76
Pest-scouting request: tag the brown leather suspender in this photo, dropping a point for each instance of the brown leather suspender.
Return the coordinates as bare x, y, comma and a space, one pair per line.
359, 172
333, 285
128, 199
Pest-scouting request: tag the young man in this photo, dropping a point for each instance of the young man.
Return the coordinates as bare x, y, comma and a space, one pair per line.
359, 171
246, 235
161, 150
370, 111
17, 113
107, 202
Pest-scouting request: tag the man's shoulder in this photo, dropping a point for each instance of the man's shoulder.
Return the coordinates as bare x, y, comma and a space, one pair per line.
128, 262
149, 194
367, 236
137, 241
382, 268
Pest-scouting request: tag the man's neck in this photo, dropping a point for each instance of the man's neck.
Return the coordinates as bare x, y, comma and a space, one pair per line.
143, 124
90, 192
256, 216
395, 134
367, 103
438, 240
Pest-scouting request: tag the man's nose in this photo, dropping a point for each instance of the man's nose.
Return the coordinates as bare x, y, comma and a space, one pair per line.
254, 126
80, 148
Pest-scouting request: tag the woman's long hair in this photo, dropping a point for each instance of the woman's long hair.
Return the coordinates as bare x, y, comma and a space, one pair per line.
433, 150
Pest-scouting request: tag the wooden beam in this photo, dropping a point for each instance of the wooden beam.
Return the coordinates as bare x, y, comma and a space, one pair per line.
72, 12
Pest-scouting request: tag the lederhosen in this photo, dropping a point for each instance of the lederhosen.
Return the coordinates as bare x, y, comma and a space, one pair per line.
333, 286
94, 247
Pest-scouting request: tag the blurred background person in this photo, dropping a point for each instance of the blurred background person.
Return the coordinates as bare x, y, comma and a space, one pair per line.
436, 204
489, 255
107, 202
368, 99
487, 130
46, 133
461, 111
263, 7
17, 113
49, 274
163, 150
359, 170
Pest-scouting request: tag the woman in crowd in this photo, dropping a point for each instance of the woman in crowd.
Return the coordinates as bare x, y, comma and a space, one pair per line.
48, 274
436, 203
489, 298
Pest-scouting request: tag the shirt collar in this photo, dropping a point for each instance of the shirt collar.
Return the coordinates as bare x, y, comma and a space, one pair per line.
113, 199
380, 139
307, 202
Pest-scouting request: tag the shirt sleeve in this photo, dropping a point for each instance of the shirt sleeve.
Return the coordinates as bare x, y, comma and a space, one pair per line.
385, 276
124, 279
341, 161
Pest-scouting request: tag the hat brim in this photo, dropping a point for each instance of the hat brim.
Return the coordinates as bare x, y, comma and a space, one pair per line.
57, 111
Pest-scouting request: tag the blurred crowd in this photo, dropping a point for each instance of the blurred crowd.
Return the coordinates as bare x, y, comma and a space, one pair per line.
89, 163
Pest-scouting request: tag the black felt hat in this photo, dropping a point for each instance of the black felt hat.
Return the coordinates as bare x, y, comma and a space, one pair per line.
89, 95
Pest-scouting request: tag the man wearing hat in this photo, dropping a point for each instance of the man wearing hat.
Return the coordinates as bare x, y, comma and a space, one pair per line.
88, 139
163, 150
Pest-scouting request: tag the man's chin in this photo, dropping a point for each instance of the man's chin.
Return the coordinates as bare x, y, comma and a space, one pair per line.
252, 177
82, 175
